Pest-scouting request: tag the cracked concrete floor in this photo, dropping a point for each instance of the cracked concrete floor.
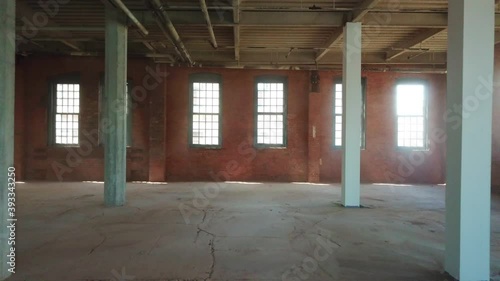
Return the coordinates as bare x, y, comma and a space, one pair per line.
242, 231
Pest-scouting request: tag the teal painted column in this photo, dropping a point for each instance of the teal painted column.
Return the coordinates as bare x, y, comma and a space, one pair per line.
114, 127
351, 121
7, 82
471, 28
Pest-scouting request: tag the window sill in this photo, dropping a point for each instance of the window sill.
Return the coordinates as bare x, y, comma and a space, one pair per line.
205, 147
262, 147
412, 149
339, 148
65, 145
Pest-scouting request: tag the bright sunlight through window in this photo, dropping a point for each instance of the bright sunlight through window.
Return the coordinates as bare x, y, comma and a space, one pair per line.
206, 114
67, 113
270, 114
411, 115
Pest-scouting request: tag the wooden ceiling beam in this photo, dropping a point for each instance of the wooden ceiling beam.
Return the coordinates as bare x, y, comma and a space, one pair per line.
24, 10
236, 29
362, 9
356, 16
417, 39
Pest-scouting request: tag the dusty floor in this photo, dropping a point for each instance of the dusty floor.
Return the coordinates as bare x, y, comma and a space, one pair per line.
241, 232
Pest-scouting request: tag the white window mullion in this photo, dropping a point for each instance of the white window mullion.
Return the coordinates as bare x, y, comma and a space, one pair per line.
338, 114
205, 114
67, 110
270, 114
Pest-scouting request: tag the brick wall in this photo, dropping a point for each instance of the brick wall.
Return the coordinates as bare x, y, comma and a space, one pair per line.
161, 151
185, 163
43, 162
381, 160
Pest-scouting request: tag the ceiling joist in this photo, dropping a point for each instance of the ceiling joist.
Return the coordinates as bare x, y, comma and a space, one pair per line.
27, 12
360, 12
332, 41
356, 16
236, 29
282, 19
416, 40
249, 32
210, 28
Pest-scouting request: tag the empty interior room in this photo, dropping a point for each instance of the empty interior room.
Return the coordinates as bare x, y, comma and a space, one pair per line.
215, 140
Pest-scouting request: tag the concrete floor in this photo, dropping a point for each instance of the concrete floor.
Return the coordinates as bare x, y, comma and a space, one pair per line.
244, 232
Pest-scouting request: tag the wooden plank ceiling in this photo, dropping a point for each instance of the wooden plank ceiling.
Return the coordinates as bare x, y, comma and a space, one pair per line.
247, 33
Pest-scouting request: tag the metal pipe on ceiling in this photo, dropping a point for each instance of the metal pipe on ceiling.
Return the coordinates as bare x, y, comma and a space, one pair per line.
408, 71
323, 67
417, 55
204, 8
236, 29
100, 54
162, 14
131, 16
167, 35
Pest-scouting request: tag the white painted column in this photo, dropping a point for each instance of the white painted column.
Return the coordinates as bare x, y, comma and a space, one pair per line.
468, 165
351, 123
7, 83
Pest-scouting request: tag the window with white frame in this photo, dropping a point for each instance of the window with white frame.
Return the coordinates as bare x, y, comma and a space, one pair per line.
66, 112
271, 112
205, 115
338, 114
411, 114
